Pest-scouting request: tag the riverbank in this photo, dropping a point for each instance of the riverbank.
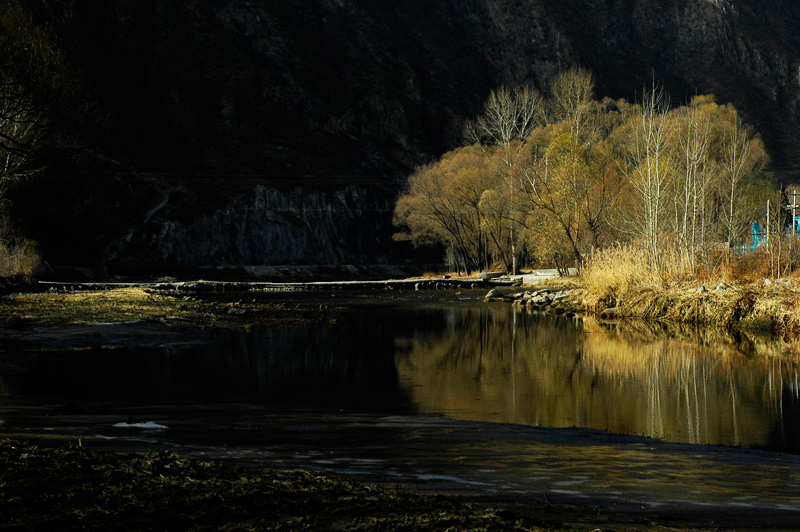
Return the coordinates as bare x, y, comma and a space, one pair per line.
763, 306
768, 306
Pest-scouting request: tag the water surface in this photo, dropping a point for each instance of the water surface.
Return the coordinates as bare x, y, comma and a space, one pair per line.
458, 357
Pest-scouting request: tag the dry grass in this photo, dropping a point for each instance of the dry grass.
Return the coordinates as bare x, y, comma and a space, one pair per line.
616, 272
455, 274
776, 307
733, 296
684, 304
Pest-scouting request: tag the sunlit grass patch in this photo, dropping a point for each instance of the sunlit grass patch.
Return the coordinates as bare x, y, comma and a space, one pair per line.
620, 278
121, 304
614, 273
141, 304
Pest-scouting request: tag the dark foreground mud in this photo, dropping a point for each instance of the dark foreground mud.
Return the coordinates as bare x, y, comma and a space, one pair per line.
74, 488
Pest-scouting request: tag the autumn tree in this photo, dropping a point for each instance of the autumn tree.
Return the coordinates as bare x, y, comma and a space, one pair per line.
455, 202
571, 182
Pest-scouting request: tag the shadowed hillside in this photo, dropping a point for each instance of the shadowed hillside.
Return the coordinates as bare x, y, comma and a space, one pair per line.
280, 132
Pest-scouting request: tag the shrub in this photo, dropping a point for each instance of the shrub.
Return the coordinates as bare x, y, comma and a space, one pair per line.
18, 261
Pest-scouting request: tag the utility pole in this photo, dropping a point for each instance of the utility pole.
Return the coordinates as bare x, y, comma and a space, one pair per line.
768, 234
769, 250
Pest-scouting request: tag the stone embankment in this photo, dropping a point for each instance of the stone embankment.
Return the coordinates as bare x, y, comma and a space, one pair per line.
767, 306
567, 301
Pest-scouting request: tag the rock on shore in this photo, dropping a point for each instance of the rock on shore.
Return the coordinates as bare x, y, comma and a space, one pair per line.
566, 301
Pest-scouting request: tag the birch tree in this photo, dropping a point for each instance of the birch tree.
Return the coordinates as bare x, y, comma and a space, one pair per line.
570, 91
694, 169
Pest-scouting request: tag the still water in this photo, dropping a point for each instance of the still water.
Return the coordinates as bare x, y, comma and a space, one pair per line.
456, 357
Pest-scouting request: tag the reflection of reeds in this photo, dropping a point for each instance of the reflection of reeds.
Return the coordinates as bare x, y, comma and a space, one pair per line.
542, 370
714, 388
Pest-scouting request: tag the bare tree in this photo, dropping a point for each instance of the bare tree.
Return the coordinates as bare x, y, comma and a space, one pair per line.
570, 91
20, 133
35, 86
648, 170
509, 116
694, 168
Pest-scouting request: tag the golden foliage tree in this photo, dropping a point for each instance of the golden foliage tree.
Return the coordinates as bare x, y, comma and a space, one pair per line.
566, 175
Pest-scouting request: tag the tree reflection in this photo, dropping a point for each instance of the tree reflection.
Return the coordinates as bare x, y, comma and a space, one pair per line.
687, 385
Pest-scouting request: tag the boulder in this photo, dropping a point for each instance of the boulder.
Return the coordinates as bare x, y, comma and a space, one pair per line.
495, 295
560, 296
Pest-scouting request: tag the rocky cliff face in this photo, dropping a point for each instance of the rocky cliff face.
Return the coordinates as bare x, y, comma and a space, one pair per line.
339, 227
292, 124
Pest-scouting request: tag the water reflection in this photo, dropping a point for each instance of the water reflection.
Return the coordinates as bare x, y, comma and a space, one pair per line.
688, 386
332, 365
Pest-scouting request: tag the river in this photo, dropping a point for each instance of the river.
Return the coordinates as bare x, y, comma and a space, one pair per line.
444, 392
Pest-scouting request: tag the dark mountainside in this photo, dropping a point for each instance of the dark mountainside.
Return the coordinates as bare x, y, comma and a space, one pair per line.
229, 133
